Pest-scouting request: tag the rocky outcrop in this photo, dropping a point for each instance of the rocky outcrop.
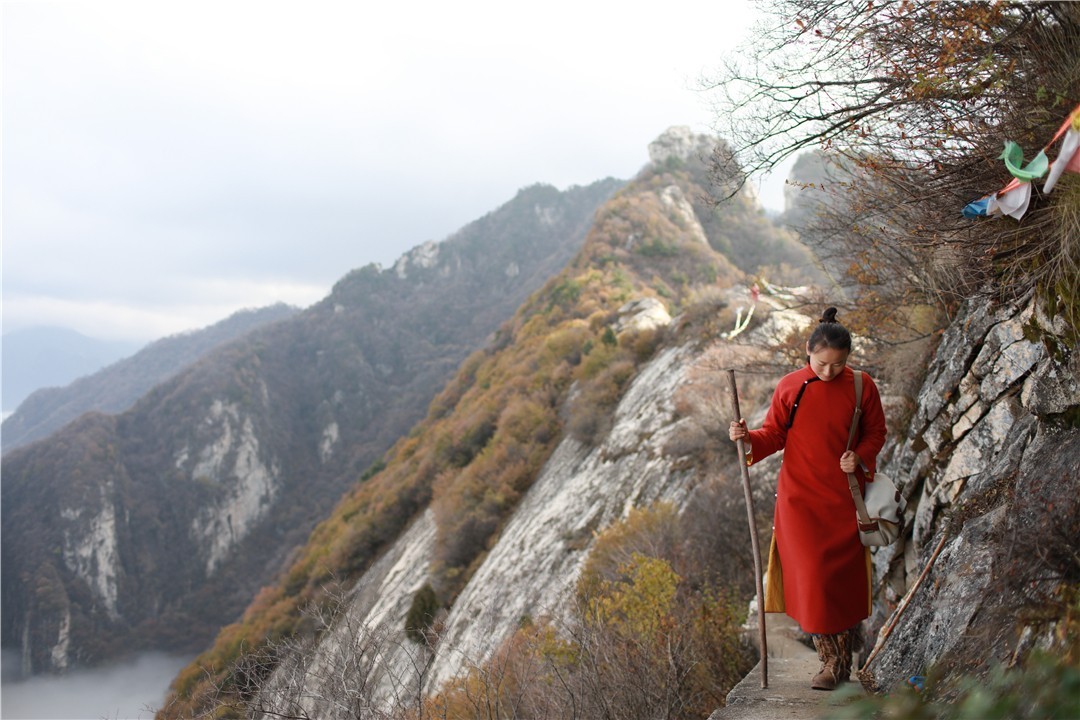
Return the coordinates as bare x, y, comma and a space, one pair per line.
533, 569
675, 201
248, 487
422, 257
91, 555
991, 465
642, 314
683, 144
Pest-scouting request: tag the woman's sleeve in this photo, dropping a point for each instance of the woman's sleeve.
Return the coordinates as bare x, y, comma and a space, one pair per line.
772, 435
872, 430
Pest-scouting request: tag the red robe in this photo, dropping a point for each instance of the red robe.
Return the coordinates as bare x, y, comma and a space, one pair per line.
826, 575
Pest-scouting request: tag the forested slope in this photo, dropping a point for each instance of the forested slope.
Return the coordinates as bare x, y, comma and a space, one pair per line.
151, 528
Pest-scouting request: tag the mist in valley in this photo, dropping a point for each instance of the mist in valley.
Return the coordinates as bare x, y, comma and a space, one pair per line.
126, 691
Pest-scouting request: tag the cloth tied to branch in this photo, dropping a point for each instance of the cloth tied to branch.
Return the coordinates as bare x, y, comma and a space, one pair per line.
1013, 199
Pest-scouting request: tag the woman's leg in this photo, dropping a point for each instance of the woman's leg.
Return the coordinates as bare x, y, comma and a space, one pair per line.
834, 651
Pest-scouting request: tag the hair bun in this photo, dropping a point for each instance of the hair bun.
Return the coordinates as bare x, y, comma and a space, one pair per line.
829, 316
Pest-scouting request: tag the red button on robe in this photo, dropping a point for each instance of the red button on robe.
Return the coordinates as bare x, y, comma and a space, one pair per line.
825, 569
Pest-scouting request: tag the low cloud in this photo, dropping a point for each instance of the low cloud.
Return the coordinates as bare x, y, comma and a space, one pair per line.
130, 691
201, 302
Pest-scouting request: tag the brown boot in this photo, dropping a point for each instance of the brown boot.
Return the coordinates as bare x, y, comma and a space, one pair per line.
845, 642
831, 672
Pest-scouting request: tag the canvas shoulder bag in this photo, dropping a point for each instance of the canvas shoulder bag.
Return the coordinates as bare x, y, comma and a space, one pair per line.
880, 515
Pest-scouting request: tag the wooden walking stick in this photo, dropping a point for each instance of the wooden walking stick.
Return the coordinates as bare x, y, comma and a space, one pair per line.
753, 537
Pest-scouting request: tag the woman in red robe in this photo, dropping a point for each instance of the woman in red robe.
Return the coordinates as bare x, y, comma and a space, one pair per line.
819, 571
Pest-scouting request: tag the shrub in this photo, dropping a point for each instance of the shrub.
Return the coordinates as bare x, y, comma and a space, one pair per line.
421, 616
643, 641
608, 338
643, 343
654, 247
591, 409
1048, 686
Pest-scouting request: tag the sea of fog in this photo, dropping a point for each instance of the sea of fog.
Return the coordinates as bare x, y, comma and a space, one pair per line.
126, 691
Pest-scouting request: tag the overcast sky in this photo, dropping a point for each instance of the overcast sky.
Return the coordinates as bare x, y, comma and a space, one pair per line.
168, 163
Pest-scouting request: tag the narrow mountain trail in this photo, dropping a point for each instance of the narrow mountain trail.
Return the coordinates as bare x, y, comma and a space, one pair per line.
791, 666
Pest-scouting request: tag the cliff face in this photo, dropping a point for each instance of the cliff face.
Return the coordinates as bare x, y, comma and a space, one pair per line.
531, 571
991, 464
151, 528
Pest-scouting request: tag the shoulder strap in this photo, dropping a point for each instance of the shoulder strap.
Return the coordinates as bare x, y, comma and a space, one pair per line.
858, 408
798, 398
853, 484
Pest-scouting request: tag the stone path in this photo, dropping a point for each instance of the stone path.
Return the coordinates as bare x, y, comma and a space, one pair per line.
788, 697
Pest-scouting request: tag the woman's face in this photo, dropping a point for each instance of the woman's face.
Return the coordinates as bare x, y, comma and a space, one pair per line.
827, 362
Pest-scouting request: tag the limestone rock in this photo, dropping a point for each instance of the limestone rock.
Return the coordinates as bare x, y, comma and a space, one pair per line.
425, 255
642, 314
1054, 386
674, 199
993, 471
681, 143
532, 569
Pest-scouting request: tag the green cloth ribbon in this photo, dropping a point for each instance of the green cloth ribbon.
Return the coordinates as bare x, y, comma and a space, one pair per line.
1013, 156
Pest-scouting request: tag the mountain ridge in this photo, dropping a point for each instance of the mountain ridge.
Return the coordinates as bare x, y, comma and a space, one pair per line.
52, 356
555, 372
150, 528
117, 386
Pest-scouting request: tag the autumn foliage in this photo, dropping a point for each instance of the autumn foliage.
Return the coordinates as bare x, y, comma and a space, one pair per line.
652, 634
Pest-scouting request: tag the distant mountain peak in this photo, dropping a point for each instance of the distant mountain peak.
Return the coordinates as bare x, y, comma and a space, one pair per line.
681, 143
